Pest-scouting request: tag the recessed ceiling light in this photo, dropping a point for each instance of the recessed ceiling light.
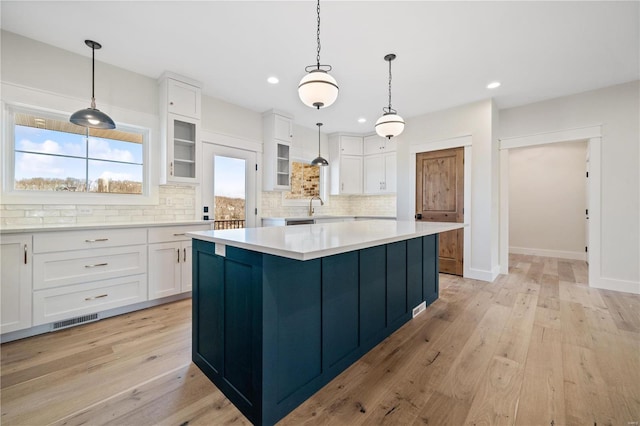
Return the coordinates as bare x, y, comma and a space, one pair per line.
273, 80
362, 120
493, 85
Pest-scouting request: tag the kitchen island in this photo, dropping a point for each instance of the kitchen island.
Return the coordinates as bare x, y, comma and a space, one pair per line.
278, 312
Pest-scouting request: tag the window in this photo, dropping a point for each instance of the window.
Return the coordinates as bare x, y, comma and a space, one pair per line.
54, 155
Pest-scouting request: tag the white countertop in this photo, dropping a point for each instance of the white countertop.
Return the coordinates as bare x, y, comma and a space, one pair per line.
84, 227
306, 242
320, 216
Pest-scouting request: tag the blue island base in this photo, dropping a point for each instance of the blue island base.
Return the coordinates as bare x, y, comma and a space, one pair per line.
270, 331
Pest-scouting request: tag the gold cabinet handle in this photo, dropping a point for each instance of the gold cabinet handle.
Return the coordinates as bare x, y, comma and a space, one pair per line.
96, 297
96, 240
95, 265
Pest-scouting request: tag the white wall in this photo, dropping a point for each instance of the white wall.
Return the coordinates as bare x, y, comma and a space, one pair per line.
547, 200
617, 109
475, 120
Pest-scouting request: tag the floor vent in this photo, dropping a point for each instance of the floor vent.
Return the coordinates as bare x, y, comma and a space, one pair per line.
419, 309
74, 321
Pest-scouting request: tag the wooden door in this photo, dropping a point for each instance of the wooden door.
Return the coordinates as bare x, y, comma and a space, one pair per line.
440, 198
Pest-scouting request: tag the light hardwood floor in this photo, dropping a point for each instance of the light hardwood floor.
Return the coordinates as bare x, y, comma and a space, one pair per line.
537, 347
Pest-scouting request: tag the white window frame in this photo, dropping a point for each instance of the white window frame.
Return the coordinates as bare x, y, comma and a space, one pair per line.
9, 195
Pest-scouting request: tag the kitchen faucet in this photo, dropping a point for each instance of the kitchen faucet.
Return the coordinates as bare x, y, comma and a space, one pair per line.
311, 204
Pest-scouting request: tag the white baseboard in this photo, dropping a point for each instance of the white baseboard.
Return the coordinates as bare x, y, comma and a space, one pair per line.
617, 285
574, 255
483, 275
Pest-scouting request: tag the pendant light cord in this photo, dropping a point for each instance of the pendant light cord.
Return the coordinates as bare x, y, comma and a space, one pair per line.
318, 35
93, 76
389, 86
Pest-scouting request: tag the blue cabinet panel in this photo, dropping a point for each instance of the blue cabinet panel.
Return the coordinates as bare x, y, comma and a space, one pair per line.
430, 268
208, 307
238, 327
373, 312
414, 272
339, 307
296, 290
396, 282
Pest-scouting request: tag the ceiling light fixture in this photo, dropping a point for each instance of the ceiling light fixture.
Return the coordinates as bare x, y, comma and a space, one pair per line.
319, 161
362, 120
493, 85
92, 117
273, 80
318, 89
390, 124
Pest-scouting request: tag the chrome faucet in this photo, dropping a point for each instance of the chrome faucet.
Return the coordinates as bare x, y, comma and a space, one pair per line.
311, 210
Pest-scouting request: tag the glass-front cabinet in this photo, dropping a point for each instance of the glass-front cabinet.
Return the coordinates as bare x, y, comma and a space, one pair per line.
278, 136
283, 160
183, 149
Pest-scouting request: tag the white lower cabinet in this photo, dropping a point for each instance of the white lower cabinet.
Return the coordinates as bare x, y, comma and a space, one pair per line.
170, 260
77, 273
62, 303
15, 282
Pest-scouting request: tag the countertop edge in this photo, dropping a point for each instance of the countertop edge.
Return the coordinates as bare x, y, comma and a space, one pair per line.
310, 255
88, 227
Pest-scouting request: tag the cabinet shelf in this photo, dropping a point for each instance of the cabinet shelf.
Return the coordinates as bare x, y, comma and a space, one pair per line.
184, 141
179, 160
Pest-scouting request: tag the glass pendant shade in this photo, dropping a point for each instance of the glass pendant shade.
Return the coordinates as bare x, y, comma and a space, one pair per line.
92, 117
319, 161
389, 125
318, 89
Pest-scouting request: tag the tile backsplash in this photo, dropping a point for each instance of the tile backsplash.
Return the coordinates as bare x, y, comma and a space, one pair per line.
176, 204
340, 205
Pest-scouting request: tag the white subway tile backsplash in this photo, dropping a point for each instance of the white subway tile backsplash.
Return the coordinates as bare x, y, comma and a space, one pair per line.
181, 209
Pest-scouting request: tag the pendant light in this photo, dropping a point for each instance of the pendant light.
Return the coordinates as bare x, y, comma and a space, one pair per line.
92, 117
319, 161
318, 89
390, 124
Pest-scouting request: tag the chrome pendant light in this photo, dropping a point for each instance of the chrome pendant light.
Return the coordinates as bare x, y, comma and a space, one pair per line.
92, 117
319, 161
390, 124
318, 89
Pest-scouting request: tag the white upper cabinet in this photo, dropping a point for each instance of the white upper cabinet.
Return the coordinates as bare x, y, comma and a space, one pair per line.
180, 109
375, 144
277, 138
345, 162
183, 98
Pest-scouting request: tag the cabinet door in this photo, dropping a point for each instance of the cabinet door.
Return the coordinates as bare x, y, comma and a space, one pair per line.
15, 282
283, 128
390, 173
283, 165
183, 150
372, 144
351, 145
165, 260
373, 174
185, 268
351, 175
183, 99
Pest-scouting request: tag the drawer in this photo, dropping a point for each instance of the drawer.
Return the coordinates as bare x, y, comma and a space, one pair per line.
174, 233
68, 302
80, 240
73, 267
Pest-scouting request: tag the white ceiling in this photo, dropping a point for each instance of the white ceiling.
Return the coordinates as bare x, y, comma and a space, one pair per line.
447, 51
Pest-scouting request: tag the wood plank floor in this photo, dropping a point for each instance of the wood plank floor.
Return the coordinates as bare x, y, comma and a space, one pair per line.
536, 347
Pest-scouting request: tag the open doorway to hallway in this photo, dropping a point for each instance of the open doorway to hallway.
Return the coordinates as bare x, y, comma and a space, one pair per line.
548, 206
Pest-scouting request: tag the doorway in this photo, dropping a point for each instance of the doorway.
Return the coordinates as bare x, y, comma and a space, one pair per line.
440, 198
229, 186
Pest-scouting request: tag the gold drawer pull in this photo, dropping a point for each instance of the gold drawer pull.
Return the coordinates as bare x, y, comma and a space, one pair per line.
96, 297
96, 265
97, 240
177, 235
